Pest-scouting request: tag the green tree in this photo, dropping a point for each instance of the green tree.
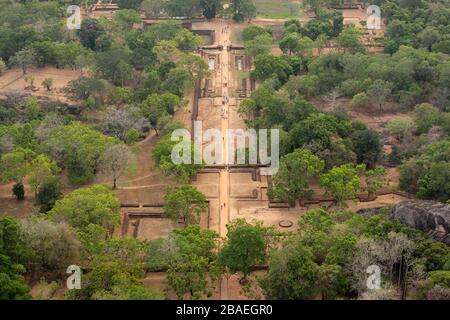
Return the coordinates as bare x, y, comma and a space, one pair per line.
360, 100
245, 247
18, 190
156, 106
291, 181
153, 8
131, 292
77, 148
400, 128
186, 203
367, 145
23, 59
129, 4
90, 31
428, 37
186, 40
178, 81
342, 183
167, 52
316, 27
13, 251
352, 87
435, 183
15, 165
314, 5
305, 47
132, 136
66, 54
32, 110
379, 92
41, 168
47, 83
268, 66
53, 246
196, 66
210, 8
96, 205
124, 19
321, 43
349, 40
304, 85
292, 273
243, 10
261, 44
183, 8
2, 66
162, 155
124, 72
49, 192
251, 32
289, 43
426, 116
375, 180
444, 123
116, 267
114, 64
165, 30
318, 127
83, 88
315, 229
328, 280
193, 268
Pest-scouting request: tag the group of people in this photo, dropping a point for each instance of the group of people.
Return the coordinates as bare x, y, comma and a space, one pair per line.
226, 99
223, 113
225, 29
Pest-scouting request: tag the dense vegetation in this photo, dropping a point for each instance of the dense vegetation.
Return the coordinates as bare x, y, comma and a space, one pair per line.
411, 77
132, 80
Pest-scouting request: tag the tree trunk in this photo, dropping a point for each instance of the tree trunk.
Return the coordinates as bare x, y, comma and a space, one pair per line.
405, 284
114, 183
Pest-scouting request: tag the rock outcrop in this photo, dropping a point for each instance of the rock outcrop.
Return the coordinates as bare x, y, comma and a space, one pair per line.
431, 217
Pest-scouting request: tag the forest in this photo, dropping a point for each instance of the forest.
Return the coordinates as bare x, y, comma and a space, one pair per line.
68, 153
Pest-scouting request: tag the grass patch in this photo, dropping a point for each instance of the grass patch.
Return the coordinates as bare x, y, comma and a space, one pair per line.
277, 9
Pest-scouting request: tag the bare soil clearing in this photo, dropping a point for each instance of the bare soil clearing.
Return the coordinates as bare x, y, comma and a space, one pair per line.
14, 80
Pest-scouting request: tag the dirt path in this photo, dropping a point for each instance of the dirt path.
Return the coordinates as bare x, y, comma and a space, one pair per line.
224, 173
224, 187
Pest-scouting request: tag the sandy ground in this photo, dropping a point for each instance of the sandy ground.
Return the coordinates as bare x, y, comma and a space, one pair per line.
14, 80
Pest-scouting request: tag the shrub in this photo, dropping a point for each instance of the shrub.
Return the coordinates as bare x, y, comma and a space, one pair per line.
19, 191
360, 100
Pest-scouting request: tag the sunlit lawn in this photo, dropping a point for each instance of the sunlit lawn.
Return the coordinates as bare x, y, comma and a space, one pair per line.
277, 9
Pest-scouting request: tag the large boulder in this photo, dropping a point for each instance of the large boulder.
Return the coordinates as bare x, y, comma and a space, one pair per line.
430, 217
